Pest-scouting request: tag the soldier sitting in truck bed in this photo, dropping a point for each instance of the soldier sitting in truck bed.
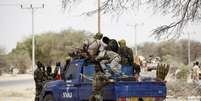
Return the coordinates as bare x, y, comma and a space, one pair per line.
126, 53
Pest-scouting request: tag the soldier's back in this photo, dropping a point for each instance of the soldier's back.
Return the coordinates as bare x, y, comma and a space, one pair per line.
98, 82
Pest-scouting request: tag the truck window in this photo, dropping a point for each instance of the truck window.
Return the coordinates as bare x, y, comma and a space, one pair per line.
72, 72
88, 71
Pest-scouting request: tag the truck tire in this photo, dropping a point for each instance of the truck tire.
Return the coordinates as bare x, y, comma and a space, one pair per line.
49, 97
149, 69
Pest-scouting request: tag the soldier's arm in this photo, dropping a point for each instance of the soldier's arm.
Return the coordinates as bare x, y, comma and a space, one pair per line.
100, 56
35, 75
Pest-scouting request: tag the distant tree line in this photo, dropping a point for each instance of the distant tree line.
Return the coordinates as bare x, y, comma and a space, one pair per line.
177, 50
2, 59
51, 47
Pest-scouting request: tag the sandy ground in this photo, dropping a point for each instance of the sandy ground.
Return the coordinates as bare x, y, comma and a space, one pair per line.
17, 91
15, 76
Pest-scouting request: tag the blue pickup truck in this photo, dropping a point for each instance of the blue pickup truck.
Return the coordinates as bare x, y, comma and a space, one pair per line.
77, 87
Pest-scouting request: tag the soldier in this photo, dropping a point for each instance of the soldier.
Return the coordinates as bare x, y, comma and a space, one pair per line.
38, 78
150, 59
67, 60
196, 71
107, 56
125, 53
45, 77
99, 82
49, 73
92, 45
104, 43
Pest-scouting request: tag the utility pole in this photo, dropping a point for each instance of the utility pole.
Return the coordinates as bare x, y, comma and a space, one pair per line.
189, 50
135, 39
33, 36
99, 16
135, 36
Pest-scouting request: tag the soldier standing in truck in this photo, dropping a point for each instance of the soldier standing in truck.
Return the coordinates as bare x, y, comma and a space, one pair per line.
99, 81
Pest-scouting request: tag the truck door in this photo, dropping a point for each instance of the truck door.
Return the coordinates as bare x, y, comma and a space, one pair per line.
86, 81
69, 91
85, 89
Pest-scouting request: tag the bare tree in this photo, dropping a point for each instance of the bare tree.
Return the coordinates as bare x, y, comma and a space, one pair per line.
107, 6
184, 11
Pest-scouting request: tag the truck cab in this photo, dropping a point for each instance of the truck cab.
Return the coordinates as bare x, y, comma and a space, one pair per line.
77, 86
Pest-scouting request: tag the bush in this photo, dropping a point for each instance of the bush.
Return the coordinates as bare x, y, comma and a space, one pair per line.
182, 73
181, 88
22, 71
21, 60
0, 72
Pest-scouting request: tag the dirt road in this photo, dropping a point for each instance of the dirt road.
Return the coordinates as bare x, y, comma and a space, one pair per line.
17, 87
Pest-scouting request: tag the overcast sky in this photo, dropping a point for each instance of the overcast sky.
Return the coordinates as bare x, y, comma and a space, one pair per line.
15, 23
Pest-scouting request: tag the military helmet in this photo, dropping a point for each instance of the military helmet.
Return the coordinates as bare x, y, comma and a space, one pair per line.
122, 43
98, 36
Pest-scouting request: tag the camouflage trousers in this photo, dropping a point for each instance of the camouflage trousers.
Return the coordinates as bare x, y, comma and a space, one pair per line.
38, 91
115, 67
96, 97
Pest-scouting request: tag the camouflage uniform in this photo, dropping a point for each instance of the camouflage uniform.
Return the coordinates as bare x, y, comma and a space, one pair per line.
98, 83
65, 68
110, 57
38, 78
92, 45
49, 73
45, 75
125, 53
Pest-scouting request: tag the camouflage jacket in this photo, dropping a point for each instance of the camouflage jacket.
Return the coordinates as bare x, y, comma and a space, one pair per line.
126, 55
38, 77
99, 81
107, 55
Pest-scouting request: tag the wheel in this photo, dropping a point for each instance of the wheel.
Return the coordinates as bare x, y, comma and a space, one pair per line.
149, 69
49, 97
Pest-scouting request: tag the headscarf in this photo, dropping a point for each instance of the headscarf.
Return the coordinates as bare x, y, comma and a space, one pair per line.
122, 43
